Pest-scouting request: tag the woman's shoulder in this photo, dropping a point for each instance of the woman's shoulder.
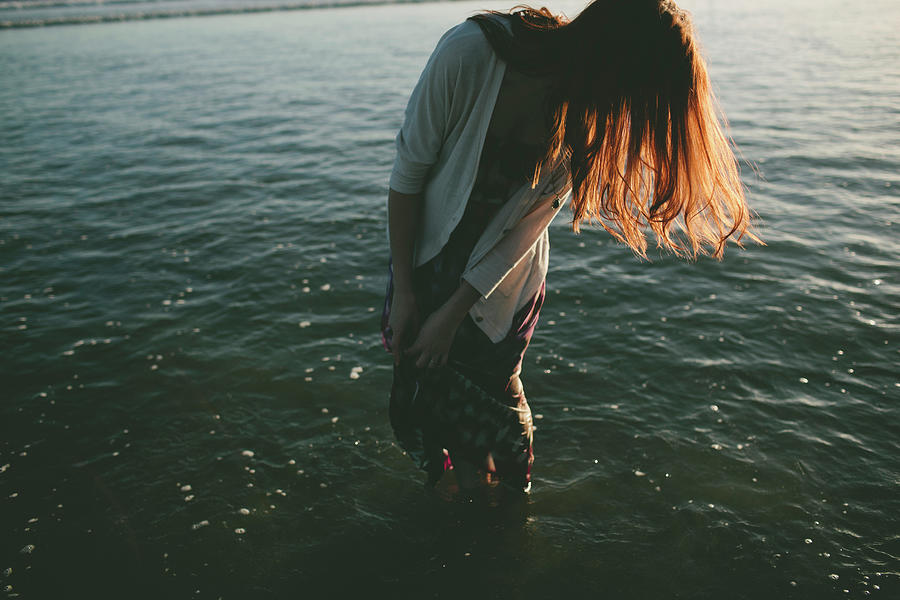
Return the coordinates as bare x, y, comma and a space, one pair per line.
465, 42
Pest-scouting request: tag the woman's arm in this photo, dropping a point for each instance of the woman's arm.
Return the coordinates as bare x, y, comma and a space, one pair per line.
419, 143
403, 222
497, 255
433, 340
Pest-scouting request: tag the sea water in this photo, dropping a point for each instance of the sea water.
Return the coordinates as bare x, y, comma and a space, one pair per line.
193, 400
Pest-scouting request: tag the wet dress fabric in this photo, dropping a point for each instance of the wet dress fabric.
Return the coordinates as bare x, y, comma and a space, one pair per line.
475, 406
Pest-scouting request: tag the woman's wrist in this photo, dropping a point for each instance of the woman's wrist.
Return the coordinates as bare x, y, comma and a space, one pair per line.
462, 300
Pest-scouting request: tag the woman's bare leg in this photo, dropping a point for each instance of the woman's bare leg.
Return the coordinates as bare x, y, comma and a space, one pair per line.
466, 475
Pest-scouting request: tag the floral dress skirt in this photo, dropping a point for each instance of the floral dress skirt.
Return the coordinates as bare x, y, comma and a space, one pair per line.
475, 406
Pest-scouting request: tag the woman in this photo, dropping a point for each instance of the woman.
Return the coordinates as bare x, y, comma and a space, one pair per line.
513, 114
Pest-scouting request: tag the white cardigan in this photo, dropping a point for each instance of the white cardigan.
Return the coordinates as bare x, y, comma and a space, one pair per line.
438, 152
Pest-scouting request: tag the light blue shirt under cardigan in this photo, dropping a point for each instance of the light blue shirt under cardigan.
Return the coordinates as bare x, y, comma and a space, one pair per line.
438, 152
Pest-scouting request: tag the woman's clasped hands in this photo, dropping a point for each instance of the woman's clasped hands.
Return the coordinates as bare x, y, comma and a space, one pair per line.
428, 345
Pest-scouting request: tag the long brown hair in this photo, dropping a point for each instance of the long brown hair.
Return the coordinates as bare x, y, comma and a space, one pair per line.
634, 114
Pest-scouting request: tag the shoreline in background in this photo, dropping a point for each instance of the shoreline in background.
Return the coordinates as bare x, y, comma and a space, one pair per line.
140, 15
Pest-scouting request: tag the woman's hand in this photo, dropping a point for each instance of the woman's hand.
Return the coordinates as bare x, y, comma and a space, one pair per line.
404, 322
432, 346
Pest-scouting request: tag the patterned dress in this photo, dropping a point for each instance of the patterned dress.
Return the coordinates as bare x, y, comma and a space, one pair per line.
475, 406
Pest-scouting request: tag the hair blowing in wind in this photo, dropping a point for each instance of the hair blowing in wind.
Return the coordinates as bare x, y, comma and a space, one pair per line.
635, 115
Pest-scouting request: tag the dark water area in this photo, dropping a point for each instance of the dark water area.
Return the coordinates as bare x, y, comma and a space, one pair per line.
194, 395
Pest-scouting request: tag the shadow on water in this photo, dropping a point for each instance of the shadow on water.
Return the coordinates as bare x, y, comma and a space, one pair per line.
432, 548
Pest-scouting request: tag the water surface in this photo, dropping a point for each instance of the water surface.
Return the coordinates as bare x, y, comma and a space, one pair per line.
194, 395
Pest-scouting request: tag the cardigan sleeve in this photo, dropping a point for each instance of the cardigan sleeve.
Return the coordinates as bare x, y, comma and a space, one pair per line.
426, 119
509, 241
504, 257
